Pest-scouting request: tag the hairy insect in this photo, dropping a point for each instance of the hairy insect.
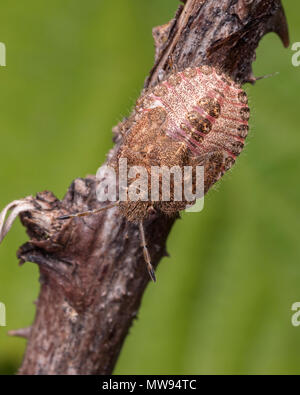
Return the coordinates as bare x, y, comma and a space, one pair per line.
196, 117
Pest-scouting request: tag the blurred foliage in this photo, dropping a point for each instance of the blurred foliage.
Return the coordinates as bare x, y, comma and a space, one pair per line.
223, 299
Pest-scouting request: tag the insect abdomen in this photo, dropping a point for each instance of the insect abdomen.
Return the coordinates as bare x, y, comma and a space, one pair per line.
204, 109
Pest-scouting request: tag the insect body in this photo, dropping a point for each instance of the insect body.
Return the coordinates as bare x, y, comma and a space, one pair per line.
196, 117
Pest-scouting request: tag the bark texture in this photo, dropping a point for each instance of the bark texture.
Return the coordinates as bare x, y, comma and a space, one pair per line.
92, 269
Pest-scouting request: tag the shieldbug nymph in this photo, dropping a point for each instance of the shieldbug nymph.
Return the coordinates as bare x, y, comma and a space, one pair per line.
197, 116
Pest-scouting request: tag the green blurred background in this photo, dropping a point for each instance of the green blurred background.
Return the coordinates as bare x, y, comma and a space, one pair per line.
223, 299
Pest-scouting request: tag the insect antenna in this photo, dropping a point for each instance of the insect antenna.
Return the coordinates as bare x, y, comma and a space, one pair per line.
89, 212
146, 253
267, 76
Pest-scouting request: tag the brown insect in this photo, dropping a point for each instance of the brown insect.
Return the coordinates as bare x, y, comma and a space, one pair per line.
196, 117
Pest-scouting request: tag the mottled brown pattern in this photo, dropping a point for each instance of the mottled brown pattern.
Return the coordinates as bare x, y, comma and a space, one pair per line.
195, 117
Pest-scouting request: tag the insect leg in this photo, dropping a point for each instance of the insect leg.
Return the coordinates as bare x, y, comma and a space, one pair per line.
89, 212
146, 252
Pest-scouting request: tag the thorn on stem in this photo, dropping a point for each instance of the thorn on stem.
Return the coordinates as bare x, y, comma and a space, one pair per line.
22, 332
